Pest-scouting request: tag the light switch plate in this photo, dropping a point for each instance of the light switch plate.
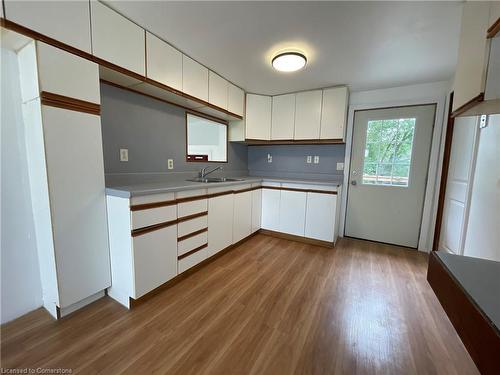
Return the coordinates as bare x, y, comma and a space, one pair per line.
124, 154
316, 159
309, 159
170, 163
340, 166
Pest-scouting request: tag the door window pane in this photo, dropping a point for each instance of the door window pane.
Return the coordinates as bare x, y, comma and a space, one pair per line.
388, 149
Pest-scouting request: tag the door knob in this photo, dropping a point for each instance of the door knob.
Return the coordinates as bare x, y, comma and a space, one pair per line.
353, 182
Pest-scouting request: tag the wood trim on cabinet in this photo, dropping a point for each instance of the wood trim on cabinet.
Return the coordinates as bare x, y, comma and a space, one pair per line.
147, 206
478, 334
444, 174
72, 104
185, 237
151, 228
470, 104
195, 250
300, 190
494, 29
191, 199
259, 142
293, 237
193, 216
215, 195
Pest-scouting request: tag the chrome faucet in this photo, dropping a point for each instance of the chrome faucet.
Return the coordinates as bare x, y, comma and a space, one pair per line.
203, 173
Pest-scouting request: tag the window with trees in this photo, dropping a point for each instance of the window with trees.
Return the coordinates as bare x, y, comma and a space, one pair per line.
388, 151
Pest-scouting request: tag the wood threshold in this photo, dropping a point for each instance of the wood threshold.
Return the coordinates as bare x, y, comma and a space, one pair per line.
494, 29
72, 104
193, 216
470, 104
259, 142
300, 190
195, 250
293, 237
151, 228
185, 237
170, 283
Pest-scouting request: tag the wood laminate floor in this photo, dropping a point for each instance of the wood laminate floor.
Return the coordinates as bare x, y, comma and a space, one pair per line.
269, 306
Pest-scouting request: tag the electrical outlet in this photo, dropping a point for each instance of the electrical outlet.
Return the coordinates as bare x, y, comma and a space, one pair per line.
340, 166
269, 158
309, 159
124, 154
170, 163
316, 159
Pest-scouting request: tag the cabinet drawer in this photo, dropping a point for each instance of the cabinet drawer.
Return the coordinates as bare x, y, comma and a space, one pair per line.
191, 243
191, 226
155, 259
192, 260
145, 218
192, 207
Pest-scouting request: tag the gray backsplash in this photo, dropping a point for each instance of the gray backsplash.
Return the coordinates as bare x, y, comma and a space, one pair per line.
289, 161
153, 132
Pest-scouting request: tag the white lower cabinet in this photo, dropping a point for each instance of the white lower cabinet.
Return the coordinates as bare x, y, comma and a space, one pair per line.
270, 209
155, 259
320, 216
256, 209
220, 223
292, 212
242, 218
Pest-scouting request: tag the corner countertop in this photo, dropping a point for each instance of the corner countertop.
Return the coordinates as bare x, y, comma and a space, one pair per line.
480, 278
138, 189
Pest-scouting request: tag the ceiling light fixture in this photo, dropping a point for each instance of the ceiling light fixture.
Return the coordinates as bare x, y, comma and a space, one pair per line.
289, 61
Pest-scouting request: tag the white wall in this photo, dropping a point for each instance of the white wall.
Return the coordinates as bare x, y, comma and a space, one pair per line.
482, 238
434, 92
21, 289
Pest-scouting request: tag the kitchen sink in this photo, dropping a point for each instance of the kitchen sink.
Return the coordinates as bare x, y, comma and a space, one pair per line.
214, 179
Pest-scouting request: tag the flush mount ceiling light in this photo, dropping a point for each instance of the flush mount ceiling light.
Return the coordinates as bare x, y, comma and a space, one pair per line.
289, 61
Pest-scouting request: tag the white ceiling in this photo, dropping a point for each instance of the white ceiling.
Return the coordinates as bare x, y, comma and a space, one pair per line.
365, 45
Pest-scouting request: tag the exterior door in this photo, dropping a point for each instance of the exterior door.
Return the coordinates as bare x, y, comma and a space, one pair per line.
389, 162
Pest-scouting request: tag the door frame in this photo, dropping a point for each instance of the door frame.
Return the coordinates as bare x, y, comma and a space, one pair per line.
434, 169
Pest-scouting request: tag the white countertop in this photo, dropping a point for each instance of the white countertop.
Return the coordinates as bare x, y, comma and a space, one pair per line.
137, 189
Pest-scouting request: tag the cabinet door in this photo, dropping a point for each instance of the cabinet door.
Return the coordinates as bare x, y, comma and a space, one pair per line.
292, 212
283, 117
217, 90
258, 117
117, 40
63, 73
155, 259
75, 175
472, 53
65, 21
256, 209
194, 78
333, 113
320, 216
220, 223
270, 209
308, 115
164, 62
235, 100
242, 218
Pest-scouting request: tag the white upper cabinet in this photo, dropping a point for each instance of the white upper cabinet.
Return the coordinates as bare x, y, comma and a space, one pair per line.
65, 21
333, 113
217, 90
308, 115
258, 117
470, 75
283, 117
194, 79
235, 99
117, 40
61, 72
164, 62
